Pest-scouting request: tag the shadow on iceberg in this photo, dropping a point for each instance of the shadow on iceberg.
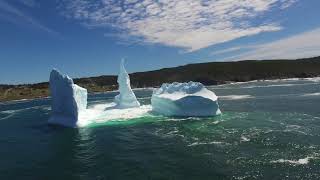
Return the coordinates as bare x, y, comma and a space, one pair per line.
68, 100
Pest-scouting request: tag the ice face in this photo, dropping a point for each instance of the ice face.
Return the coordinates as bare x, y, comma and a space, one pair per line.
126, 98
68, 99
185, 99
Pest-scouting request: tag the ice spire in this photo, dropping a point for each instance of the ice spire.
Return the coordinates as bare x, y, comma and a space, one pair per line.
126, 98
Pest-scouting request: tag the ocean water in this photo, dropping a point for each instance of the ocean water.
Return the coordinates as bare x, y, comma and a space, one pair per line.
268, 130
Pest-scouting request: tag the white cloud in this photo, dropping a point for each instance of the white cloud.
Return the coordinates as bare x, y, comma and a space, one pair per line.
303, 45
189, 24
225, 51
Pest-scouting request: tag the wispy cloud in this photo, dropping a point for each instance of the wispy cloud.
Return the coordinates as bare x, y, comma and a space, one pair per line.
287, 3
29, 3
302, 45
13, 15
225, 51
188, 24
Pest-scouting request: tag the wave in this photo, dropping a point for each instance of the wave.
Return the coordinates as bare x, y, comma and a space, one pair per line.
244, 139
268, 86
7, 117
142, 98
180, 118
14, 111
295, 129
311, 94
18, 101
277, 85
302, 161
247, 96
314, 79
236, 97
208, 143
9, 111
146, 88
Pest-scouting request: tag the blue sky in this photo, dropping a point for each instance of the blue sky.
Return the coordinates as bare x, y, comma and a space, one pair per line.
89, 37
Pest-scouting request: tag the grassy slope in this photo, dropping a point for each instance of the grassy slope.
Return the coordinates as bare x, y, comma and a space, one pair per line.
207, 73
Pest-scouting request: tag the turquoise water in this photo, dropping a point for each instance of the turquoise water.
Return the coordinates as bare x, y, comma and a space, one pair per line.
268, 130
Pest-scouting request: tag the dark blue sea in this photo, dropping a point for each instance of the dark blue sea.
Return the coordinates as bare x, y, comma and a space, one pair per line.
267, 130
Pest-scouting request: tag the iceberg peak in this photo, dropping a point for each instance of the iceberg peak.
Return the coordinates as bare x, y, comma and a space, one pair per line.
126, 98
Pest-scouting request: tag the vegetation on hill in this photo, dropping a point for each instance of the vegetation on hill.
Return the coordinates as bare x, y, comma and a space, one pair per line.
211, 73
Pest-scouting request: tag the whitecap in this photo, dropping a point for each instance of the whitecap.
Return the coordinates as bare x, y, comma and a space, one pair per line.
275, 85
181, 119
311, 94
225, 86
142, 98
208, 143
314, 79
302, 161
244, 139
9, 111
101, 113
236, 97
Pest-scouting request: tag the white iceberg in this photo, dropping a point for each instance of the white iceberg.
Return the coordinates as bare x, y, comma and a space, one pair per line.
185, 99
68, 100
126, 98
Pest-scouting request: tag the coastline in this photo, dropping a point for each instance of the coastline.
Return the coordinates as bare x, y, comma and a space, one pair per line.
23, 99
210, 73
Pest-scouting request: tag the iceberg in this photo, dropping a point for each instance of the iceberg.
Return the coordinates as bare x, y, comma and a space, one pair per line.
184, 99
126, 98
68, 100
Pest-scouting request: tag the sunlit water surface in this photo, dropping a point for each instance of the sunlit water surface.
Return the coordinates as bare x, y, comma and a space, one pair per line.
268, 130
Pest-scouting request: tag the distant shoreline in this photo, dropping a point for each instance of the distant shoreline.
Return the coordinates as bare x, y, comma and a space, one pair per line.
213, 73
315, 79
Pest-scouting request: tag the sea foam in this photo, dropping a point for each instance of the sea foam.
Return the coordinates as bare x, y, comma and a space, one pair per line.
101, 113
302, 161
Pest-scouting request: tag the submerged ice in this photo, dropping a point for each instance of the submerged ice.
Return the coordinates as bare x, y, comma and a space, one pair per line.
185, 99
68, 100
126, 98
